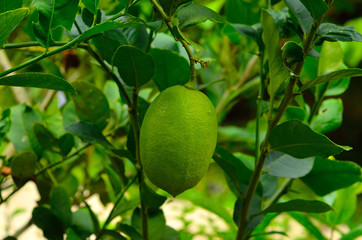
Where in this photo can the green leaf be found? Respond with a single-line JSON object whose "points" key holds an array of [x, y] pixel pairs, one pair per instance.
{"points": [[37, 80], [301, 13], [170, 68], [344, 73], [129, 231], [45, 219], [283, 165], [150, 198], [61, 206], [329, 117], [316, 7], [332, 33], [8, 22], [329, 175], [82, 223], [156, 223], [17, 133], [299, 205], [5, 123], [89, 133], [169, 6], [193, 14], [8, 5], [244, 12], [344, 206], [112, 235], [278, 72], [238, 173], [29, 117], [255, 32], [134, 66], [352, 234], [91, 5], [114, 179], [66, 143], [255, 209], [72, 235], [45, 138], [23, 167], [53, 14], [292, 53], [300, 141], [170, 234], [307, 224], [96, 111]]}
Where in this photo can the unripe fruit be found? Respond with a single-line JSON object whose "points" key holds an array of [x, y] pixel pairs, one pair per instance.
{"points": [[178, 138]]}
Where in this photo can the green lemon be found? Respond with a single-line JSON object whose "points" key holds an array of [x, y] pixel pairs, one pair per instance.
{"points": [[178, 138]]}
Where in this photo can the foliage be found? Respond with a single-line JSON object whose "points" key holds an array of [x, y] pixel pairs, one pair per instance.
{"points": [[88, 71]]}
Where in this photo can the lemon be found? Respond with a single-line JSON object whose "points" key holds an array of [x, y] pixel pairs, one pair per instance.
{"points": [[178, 138]]}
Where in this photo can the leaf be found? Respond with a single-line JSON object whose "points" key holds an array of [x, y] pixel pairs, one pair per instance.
{"points": [[292, 53], [255, 210], [299, 205], [302, 14], [150, 198], [72, 235], [82, 223], [316, 7], [91, 5], [5, 123], [112, 235], [29, 117], [170, 234], [329, 117], [300, 141], [66, 143], [343, 73], [45, 138], [9, 20], [170, 68], [17, 133], [255, 32], [45, 219], [244, 12], [114, 179], [134, 66], [23, 167], [193, 14], [60, 205], [53, 14], [97, 111], [332, 33], [278, 72], [129, 231], [307, 224], [169, 6], [89, 133], [37, 80], [345, 207], [352, 234], [328, 175], [156, 223], [283, 165], [8, 5]]}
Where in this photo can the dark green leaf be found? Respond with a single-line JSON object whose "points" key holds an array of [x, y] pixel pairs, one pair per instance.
{"points": [[45, 138], [329, 175], [115, 179], [135, 67], [88, 133], [82, 223], [307, 224], [5, 123], [332, 33], [91, 5], [329, 117], [344, 73], [8, 5], [301, 13], [278, 72], [170, 234], [299, 205], [156, 223], [150, 198], [66, 143], [72, 235], [30, 117], [45, 219], [51, 15], [96, 111], [300, 141], [244, 12], [193, 14], [60, 205], [37, 80], [129, 231], [255, 209], [292, 53], [17, 133], [23, 167], [170, 68], [112, 235], [283, 165], [316, 7], [255, 32], [238, 173], [169, 6], [9, 20]]}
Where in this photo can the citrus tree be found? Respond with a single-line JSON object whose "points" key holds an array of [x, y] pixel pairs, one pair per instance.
{"points": [[92, 104]]}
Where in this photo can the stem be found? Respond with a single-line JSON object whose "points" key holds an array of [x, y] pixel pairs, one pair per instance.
{"points": [[288, 97], [258, 108], [109, 218]]}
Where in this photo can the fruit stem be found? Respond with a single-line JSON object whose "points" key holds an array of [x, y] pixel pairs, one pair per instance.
{"points": [[288, 97]]}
